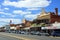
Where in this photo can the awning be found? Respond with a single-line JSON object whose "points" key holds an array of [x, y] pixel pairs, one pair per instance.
{"points": [[13, 28], [51, 27], [27, 28]]}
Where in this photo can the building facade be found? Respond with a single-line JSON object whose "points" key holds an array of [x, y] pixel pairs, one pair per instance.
{"points": [[47, 17]]}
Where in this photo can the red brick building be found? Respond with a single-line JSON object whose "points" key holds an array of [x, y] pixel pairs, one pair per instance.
{"points": [[47, 17], [27, 23]]}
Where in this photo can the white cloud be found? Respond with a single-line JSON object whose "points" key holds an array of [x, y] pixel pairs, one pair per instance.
{"points": [[7, 14], [1, 12], [2, 24], [34, 8], [27, 3], [21, 12], [8, 20], [10, 15], [4, 13], [6, 8], [5, 21], [31, 16]]}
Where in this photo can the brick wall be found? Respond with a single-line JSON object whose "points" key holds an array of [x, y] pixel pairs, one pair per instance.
{"points": [[54, 18]]}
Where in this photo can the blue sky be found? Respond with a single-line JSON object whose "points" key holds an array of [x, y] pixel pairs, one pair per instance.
{"points": [[16, 10]]}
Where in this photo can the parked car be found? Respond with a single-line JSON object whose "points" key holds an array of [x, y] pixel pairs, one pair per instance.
{"points": [[44, 34], [26, 33], [32, 32], [22, 32], [12, 31], [37, 33], [56, 33]]}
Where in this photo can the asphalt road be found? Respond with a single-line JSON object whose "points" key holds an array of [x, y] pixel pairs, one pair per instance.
{"points": [[3, 37], [12, 36]]}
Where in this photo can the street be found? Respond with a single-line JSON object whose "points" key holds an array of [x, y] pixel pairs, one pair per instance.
{"points": [[12, 36], [3, 37]]}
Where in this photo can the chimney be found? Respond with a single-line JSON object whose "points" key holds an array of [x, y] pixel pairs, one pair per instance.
{"points": [[56, 11]]}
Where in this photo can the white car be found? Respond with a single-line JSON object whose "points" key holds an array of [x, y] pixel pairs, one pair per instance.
{"points": [[44, 34], [35, 32], [22, 32]]}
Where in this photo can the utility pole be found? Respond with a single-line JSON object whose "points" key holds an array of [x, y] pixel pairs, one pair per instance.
{"points": [[10, 25]]}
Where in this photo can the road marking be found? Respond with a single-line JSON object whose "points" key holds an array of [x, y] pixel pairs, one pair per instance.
{"points": [[16, 37]]}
